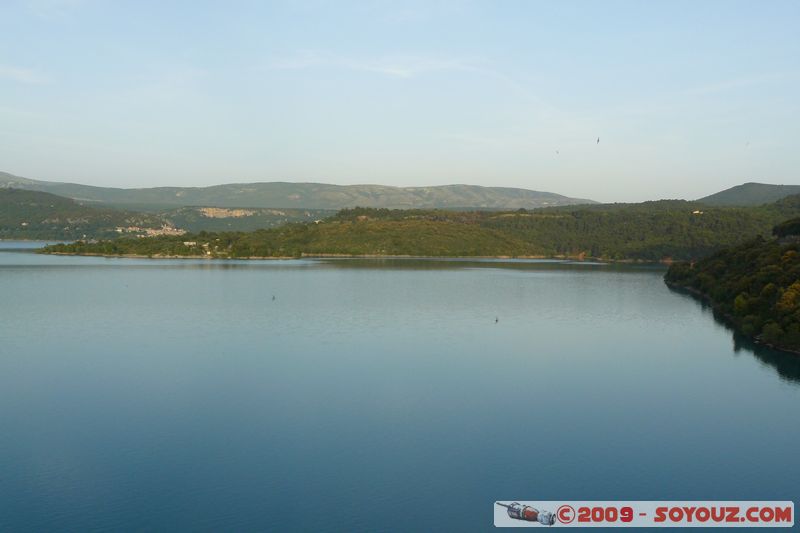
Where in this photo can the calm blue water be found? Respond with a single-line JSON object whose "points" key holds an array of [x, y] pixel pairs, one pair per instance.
{"points": [[369, 395]]}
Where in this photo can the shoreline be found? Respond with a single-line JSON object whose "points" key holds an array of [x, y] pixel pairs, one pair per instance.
{"points": [[579, 259], [160, 256], [35, 240], [728, 318]]}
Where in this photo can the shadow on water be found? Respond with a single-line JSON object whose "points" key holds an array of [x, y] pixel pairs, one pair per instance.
{"points": [[446, 263], [787, 365], [59, 262]]}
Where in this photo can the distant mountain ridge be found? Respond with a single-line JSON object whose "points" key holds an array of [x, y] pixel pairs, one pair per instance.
{"points": [[302, 195], [750, 194], [39, 215]]}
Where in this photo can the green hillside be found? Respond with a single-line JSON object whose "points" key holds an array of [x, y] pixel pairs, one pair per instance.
{"points": [[300, 195], [755, 286], [39, 215], [652, 231], [750, 194], [239, 219]]}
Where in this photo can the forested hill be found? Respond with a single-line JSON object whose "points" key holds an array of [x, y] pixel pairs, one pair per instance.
{"points": [[755, 285], [750, 194], [283, 195], [39, 215], [652, 231]]}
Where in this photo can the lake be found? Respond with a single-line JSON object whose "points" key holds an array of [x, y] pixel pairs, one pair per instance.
{"points": [[369, 395]]}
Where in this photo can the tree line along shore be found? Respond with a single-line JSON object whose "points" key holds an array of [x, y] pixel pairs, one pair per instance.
{"points": [[669, 230], [740, 260], [754, 286]]}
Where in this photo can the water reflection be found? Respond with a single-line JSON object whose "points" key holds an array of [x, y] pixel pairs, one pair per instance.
{"points": [[424, 263], [180, 387], [787, 365], [395, 263]]}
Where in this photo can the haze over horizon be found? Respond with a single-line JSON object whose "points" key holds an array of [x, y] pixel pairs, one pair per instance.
{"points": [[687, 99]]}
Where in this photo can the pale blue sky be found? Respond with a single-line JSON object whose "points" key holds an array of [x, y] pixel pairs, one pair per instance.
{"points": [[687, 97]]}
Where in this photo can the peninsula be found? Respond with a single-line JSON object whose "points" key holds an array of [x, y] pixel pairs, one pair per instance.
{"points": [[664, 231], [754, 286]]}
